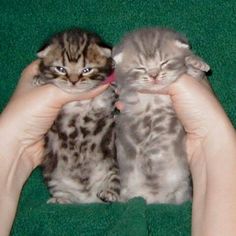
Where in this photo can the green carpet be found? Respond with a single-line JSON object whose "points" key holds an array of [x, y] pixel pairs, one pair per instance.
{"points": [[24, 25]]}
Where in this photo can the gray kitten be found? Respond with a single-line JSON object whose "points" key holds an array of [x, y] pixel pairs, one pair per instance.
{"points": [[150, 139], [80, 164]]}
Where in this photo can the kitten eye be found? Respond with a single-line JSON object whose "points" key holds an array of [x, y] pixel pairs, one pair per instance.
{"points": [[60, 69], [163, 63], [86, 70], [140, 69]]}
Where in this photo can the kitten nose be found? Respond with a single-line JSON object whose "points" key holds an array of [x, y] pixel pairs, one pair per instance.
{"points": [[153, 73], [74, 79]]}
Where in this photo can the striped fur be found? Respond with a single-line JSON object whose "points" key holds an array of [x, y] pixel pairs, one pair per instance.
{"points": [[80, 163], [150, 139]]}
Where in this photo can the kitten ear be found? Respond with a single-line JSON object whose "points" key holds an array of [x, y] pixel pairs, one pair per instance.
{"points": [[43, 52], [118, 58], [117, 55], [102, 49], [197, 63], [105, 51], [182, 44]]}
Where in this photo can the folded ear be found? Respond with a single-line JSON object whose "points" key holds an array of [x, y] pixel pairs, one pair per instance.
{"points": [[197, 63], [105, 51], [44, 51], [98, 45], [117, 54], [182, 44], [181, 41], [102, 49]]}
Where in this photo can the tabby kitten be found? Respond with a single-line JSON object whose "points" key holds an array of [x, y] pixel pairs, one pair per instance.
{"points": [[150, 139], [80, 163]]}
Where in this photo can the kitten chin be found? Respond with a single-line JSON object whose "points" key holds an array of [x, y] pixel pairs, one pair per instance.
{"points": [[78, 88], [153, 88], [152, 91], [66, 86]]}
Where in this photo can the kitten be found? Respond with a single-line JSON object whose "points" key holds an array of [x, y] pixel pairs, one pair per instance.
{"points": [[80, 163], [150, 139]]}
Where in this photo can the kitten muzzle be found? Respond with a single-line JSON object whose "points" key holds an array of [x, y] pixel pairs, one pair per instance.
{"points": [[74, 78]]}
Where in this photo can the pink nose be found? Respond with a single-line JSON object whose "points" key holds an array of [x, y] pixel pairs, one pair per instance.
{"points": [[74, 79], [153, 74]]}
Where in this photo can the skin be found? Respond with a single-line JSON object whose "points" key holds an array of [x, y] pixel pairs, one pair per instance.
{"points": [[211, 150], [23, 124], [211, 147]]}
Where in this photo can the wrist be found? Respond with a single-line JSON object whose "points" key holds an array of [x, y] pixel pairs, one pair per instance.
{"points": [[8, 207], [10, 183], [10, 187], [17, 158], [15, 168], [217, 147], [9, 145], [212, 159], [213, 165], [16, 165]]}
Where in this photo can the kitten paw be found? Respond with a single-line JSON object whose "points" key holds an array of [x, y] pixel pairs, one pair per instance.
{"points": [[37, 81], [108, 195], [59, 200]]}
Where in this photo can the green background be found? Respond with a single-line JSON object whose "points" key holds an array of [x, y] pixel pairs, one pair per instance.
{"points": [[24, 26]]}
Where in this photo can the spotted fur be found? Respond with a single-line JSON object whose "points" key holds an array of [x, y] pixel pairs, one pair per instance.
{"points": [[80, 163], [150, 139]]}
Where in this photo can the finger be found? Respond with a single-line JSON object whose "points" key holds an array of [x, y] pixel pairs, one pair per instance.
{"points": [[188, 83]]}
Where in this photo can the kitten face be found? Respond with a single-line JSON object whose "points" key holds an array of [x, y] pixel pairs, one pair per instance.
{"points": [[152, 58], [75, 60]]}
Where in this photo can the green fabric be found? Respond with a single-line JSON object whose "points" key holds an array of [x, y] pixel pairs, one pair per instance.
{"points": [[25, 24]]}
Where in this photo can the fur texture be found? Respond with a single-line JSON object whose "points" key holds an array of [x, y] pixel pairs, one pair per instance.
{"points": [[80, 163], [150, 139]]}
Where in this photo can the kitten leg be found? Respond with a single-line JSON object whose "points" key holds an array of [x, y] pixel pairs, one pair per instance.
{"points": [[60, 193], [37, 81], [62, 197], [111, 187], [59, 200]]}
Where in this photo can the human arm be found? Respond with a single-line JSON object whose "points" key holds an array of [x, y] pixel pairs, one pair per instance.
{"points": [[23, 124], [211, 148]]}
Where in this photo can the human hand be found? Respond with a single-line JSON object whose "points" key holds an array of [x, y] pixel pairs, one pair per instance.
{"points": [[211, 152], [23, 124], [198, 110], [28, 116]]}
